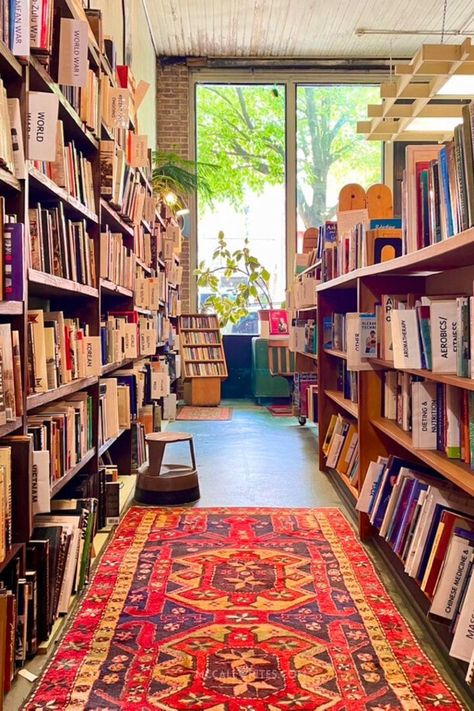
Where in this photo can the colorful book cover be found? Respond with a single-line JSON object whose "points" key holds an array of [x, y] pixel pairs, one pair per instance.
{"points": [[278, 323], [13, 262]]}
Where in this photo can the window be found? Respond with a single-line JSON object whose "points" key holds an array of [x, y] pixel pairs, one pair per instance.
{"points": [[282, 149], [330, 154], [241, 129]]}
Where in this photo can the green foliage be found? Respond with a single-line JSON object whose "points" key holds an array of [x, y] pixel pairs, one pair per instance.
{"points": [[253, 284], [242, 128], [171, 173]]}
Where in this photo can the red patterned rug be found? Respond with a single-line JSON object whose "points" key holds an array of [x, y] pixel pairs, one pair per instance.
{"points": [[215, 414], [238, 610]]}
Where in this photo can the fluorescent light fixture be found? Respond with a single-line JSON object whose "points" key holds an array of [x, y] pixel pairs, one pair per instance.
{"points": [[184, 211], [458, 85], [434, 124]]}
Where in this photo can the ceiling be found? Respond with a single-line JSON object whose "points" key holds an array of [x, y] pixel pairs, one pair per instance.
{"points": [[301, 28]]}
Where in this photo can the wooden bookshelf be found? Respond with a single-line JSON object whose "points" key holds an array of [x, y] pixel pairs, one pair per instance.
{"points": [[351, 407], [41, 282], [40, 399], [434, 270], [202, 386], [85, 307], [61, 483]]}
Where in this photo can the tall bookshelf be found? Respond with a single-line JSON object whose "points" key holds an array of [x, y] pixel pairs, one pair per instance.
{"points": [[144, 234], [204, 364], [431, 271], [304, 339]]}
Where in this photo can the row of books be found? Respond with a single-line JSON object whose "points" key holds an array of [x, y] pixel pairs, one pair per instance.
{"points": [[196, 338], [71, 170], [439, 416], [84, 100], [173, 303], [126, 334], [12, 251], [347, 381], [117, 261], [303, 336], [11, 136], [305, 393], [119, 339], [142, 245], [430, 526], [149, 291], [418, 332], [121, 185], [341, 447], [199, 322], [36, 20], [11, 386], [353, 333], [303, 290], [62, 436], [35, 592], [114, 408], [60, 350], [202, 353], [438, 187], [351, 244], [61, 246], [203, 369], [428, 332]]}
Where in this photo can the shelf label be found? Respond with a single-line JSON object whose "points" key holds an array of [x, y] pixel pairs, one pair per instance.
{"points": [[73, 44], [119, 108], [138, 151], [42, 125], [140, 93]]}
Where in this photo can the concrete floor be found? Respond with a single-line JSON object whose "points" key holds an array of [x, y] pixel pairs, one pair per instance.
{"points": [[259, 460]]}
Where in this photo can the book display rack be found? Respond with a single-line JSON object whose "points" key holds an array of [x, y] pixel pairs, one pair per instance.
{"points": [[204, 364], [89, 302]]}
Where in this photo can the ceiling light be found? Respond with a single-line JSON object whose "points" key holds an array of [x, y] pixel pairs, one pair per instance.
{"points": [[458, 85], [436, 124]]}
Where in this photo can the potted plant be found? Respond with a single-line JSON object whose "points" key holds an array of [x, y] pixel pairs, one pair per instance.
{"points": [[251, 283], [174, 178]]}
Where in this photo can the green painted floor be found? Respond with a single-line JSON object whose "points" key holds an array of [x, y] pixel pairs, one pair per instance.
{"points": [[255, 459], [260, 460]]}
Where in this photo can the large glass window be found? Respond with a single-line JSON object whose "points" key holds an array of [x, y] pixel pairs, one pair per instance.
{"points": [[330, 153], [240, 128]]}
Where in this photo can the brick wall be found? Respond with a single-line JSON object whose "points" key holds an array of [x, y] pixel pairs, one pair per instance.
{"points": [[173, 135]]}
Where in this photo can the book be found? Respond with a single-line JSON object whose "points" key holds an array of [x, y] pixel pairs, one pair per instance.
{"points": [[424, 415], [405, 339], [462, 645], [444, 335]]}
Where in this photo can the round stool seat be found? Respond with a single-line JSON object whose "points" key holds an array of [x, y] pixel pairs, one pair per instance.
{"points": [[168, 437], [167, 484]]}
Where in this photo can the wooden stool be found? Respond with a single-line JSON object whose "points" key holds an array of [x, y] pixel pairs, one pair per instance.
{"points": [[167, 484]]}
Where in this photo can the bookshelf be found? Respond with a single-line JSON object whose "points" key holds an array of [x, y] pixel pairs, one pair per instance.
{"points": [[63, 266], [303, 340], [432, 272], [204, 364]]}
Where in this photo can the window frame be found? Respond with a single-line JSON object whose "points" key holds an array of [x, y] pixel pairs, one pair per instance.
{"points": [[291, 81]]}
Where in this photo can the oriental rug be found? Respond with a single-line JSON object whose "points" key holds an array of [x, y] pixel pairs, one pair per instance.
{"points": [[238, 610], [215, 414]]}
